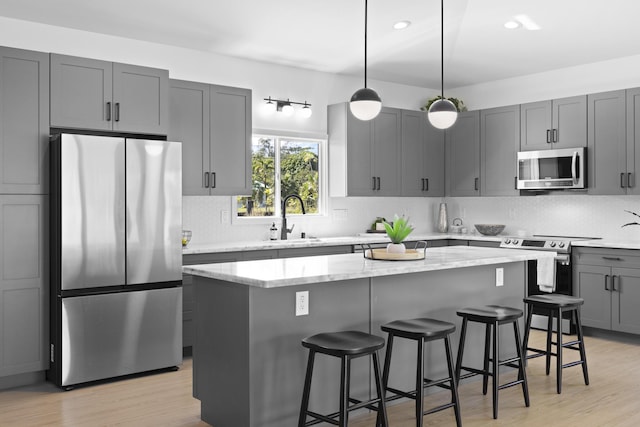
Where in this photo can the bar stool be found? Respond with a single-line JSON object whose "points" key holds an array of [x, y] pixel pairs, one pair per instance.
{"points": [[555, 305], [345, 345], [422, 330], [493, 316]]}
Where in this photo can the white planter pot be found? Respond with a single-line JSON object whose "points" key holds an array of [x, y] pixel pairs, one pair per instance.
{"points": [[396, 248]]}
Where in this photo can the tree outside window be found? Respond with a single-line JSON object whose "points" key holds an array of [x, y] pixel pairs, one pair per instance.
{"points": [[282, 166]]}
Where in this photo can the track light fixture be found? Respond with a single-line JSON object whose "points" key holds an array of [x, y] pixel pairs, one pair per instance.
{"points": [[286, 107]]}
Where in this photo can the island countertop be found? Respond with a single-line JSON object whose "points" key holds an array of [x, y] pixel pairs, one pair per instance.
{"points": [[281, 272]]}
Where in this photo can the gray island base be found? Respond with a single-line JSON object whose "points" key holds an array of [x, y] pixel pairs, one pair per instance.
{"points": [[249, 364]]}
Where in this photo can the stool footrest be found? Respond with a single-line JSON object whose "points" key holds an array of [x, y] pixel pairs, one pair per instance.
{"points": [[439, 408], [570, 364], [510, 384], [319, 418]]}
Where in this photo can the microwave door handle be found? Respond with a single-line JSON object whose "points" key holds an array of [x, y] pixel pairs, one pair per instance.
{"points": [[574, 161]]}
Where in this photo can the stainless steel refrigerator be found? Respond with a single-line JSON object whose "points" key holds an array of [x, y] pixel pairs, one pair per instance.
{"points": [[116, 257]]}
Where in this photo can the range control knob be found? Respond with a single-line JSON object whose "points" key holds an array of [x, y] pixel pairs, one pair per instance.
{"points": [[516, 241], [507, 241], [561, 244], [552, 244]]}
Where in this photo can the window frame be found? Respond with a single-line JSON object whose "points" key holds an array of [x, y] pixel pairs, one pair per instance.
{"points": [[323, 178]]}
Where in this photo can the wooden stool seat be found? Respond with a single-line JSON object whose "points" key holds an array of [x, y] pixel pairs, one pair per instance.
{"points": [[493, 316], [556, 305], [346, 345], [419, 328]]}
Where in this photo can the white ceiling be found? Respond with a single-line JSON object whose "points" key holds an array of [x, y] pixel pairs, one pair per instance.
{"points": [[327, 35]]}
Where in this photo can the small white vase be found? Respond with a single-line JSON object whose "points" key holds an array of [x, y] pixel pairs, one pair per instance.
{"points": [[396, 248]]}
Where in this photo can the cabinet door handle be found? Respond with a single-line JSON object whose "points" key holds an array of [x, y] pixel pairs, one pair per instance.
{"points": [[213, 179], [206, 180], [622, 185], [108, 111], [426, 188], [613, 284], [475, 183], [422, 179], [117, 113], [606, 282], [378, 181], [374, 183], [630, 182], [548, 136], [555, 135]]}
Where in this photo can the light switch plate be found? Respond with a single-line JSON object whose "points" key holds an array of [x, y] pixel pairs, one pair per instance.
{"points": [[500, 276]]}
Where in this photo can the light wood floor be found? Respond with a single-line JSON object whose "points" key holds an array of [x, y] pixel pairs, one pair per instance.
{"points": [[612, 399]]}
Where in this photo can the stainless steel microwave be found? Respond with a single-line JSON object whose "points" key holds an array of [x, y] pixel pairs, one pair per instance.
{"points": [[552, 169]]}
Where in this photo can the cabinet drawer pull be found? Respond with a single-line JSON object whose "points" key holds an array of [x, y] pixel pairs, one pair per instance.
{"points": [[612, 258], [206, 180], [606, 282], [475, 183], [117, 112], [108, 111], [426, 180]]}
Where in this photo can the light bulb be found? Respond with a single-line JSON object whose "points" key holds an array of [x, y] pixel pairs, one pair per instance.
{"points": [[365, 104], [287, 109], [270, 107], [305, 112], [442, 114]]}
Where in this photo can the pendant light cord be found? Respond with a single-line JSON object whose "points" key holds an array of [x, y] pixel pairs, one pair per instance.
{"points": [[441, 47], [365, 43]]}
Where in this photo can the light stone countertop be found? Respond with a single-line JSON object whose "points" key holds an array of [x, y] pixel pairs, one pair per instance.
{"points": [[274, 273], [258, 245], [608, 243]]}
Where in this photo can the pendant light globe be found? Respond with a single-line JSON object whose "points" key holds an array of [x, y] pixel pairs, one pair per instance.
{"points": [[442, 114], [365, 104]]}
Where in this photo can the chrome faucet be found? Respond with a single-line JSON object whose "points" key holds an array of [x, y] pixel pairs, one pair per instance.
{"points": [[284, 231]]}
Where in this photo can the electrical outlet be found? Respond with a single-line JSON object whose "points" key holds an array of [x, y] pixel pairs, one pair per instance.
{"points": [[302, 303], [500, 276]]}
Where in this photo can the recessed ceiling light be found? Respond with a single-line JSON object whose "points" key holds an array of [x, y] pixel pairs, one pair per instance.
{"points": [[401, 25], [527, 22], [511, 25]]}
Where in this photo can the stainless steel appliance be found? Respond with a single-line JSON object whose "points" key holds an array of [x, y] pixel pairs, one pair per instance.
{"points": [[116, 257], [552, 169], [563, 277]]}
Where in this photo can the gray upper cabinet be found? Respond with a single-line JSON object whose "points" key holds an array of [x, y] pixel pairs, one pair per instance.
{"points": [[422, 155], [463, 155], [100, 95], [189, 124], [560, 123], [214, 125], [24, 121], [607, 145], [633, 140], [24, 284], [364, 156], [499, 144]]}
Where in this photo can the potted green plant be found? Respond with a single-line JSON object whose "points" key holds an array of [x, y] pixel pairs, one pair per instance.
{"points": [[397, 232], [457, 102]]}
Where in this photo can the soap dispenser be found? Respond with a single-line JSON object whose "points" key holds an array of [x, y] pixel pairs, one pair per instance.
{"points": [[273, 232]]}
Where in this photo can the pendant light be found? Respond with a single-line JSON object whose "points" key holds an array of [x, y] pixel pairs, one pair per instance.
{"points": [[442, 113], [365, 103]]}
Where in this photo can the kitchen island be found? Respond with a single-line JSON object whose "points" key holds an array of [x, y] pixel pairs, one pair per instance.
{"points": [[248, 361]]}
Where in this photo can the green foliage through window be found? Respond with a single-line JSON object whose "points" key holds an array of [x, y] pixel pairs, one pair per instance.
{"points": [[296, 163]]}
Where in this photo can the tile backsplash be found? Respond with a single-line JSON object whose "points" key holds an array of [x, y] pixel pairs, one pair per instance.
{"points": [[568, 214]]}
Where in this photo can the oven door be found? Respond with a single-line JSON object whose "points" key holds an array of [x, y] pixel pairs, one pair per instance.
{"points": [[564, 286]]}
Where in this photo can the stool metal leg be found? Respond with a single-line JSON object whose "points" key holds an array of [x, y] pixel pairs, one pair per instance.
{"points": [[487, 345], [307, 389], [345, 369], [549, 339], [496, 370], [420, 384], [454, 388], [382, 408], [463, 333], [527, 330], [522, 374], [559, 350], [385, 373], [583, 354]]}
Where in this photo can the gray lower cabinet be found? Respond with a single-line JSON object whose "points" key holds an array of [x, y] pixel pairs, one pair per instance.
{"points": [[499, 145], [422, 155], [364, 156], [463, 156], [24, 121], [214, 125], [558, 123], [24, 284], [101, 95], [609, 282]]}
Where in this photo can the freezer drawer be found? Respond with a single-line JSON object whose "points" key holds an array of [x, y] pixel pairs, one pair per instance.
{"points": [[110, 335]]}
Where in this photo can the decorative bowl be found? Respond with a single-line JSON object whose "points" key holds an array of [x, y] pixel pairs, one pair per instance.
{"points": [[186, 237], [489, 229]]}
